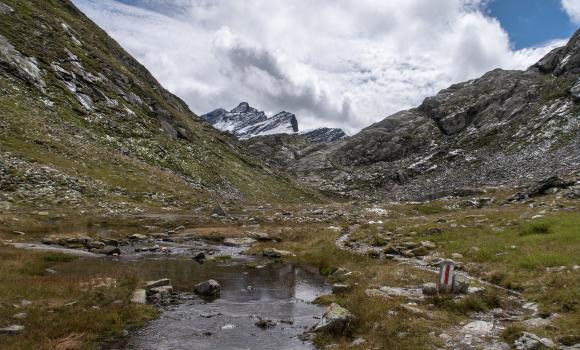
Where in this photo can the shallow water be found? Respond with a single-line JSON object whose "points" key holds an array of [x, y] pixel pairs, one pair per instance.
{"points": [[278, 291]]}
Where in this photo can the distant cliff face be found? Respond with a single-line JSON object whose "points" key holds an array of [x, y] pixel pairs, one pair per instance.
{"points": [[83, 123], [504, 128]]}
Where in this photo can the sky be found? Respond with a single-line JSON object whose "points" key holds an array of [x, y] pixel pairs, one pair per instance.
{"points": [[335, 63]]}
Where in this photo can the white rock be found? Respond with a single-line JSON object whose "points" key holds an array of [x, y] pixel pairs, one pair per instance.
{"points": [[478, 328]]}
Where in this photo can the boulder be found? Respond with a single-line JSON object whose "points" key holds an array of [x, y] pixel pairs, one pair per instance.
{"points": [[530, 341], [207, 288], [163, 291], [260, 236], [479, 328], [340, 288], [336, 319], [460, 284]]}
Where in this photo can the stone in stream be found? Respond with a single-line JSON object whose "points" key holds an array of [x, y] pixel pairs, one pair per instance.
{"points": [[530, 341], [109, 250], [207, 288], [265, 324], [139, 296], [336, 319], [12, 330], [199, 257], [276, 253], [163, 291], [159, 283], [239, 242]]}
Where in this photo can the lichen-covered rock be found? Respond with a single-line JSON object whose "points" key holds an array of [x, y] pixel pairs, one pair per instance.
{"points": [[336, 319]]}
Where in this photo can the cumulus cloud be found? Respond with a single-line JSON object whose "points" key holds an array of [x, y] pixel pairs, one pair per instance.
{"points": [[572, 8], [342, 64]]}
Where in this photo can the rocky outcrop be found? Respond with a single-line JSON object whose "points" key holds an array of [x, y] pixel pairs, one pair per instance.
{"points": [[83, 124], [323, 135], [505, 128]]}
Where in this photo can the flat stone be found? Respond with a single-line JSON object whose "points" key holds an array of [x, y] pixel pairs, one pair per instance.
{"points": [[537, 322], [478, 328], [12, 330], [239, 242], [276, 253], [159, 283], [138, 236], [139, 296]]}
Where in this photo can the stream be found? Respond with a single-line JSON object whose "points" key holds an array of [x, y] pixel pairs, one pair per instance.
{"points": [[251, 288]]}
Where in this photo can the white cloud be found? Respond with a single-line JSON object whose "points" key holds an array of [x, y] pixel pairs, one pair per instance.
{"points": [[344, 64], [572, 8]]}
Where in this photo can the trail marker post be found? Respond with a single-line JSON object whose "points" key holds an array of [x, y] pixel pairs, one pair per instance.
{"points": [[446, 276]]}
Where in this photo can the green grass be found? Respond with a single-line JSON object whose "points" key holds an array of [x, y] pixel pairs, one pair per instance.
{"points": [[63, 309]]}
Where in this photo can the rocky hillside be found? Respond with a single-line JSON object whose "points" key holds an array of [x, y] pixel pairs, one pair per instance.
{"points": [[246, 122], [505, 128], [83, 124]]}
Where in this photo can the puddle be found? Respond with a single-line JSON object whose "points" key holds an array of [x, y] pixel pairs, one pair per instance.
{"points": [[278, 291]]}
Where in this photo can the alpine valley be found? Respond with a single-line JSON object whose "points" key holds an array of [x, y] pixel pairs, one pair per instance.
{"points": [[127, 221]]}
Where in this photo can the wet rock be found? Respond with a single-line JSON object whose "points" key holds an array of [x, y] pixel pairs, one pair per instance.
{"points": [[336, 319], [429, 288], [207, 288], [530, 341], [163, 291], [158, 283], [12, 330], [139, 296], [95, 245], [276, 253], [239, 242], [199, 257], [265, 324], [109, 250]]}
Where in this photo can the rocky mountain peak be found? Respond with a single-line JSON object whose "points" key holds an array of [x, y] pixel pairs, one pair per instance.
{"points": [[565, 59], [243, 107]]}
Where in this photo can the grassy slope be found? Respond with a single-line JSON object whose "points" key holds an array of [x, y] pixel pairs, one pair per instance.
{"points": [[108, 145]]}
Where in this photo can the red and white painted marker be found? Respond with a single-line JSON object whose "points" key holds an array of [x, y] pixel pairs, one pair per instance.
{"points": [[446, 275]]}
